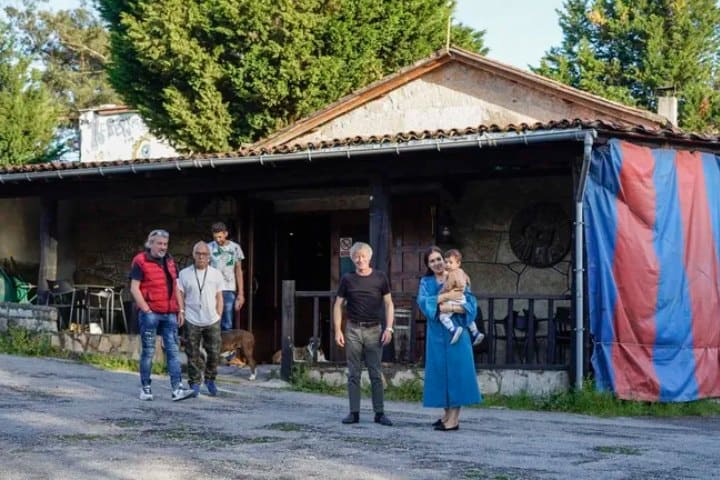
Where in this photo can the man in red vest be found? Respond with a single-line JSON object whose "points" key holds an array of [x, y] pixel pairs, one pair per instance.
{"points": [[153, 278]]}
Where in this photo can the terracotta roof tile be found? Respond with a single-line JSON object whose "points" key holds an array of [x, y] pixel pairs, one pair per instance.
{"points": [[608, 128]]}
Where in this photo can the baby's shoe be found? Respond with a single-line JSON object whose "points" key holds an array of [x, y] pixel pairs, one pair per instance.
{"points": [[455, 332]]}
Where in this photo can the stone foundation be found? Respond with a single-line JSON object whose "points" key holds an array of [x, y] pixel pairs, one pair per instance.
{"points": [[107, 344], [492, 382], [36, 318]]}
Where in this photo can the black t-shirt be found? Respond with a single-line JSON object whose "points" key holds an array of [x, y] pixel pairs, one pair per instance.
{"points": [[364, 295]]}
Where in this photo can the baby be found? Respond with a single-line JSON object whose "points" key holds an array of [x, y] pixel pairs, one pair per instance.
{"points": [[457, 280]]}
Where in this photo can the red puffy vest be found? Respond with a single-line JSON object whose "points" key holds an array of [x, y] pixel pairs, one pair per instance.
{"points": [[154, 283]]}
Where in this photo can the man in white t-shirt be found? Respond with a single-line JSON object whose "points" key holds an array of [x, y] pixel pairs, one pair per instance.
{"points": [[200, 300], [227, 256]]}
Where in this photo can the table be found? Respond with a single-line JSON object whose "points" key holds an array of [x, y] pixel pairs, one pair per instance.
{"points": [[101, 301]]}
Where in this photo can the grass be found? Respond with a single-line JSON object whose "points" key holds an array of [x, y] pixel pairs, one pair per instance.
{"points": [[300, 381], [18, 341], [586, 401], [589, 401]]}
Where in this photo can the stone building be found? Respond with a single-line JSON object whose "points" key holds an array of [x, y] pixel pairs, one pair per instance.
{"points": [[457, 149]]}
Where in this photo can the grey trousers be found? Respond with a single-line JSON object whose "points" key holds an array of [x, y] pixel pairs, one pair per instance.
{"points": [[363, 343]]}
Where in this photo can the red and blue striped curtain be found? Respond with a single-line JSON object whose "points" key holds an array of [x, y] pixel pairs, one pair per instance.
{"points": [[652, 221]]}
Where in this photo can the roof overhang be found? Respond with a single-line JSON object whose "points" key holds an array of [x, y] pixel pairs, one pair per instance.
{"points": [[392, 146]]}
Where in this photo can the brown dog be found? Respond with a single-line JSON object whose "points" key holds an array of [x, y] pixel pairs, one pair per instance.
{"points": [[242, 344]]}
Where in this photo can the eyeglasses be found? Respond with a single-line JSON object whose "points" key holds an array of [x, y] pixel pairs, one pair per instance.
{"points": [[201, 254], [159, 233]]}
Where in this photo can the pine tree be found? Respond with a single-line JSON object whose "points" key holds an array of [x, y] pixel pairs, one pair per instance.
{"points": [[72, 46], [625, 50], [28, 114], [213, 75]]}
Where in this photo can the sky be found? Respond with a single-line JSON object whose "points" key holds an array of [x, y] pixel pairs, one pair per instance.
{"points": [[518, 32]]}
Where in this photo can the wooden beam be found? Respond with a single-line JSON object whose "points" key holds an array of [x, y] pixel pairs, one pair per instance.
{"points": [[288, 328], [380, 237], [48, 246], [380, 228]]}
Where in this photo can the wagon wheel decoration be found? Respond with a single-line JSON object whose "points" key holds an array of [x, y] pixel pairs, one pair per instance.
{"points": [[540, 234]]}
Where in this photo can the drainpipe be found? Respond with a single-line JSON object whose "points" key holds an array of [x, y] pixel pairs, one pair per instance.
{"points": [[579, 264]]}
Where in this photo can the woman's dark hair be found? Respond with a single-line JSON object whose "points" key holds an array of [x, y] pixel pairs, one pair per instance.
{"points": [[427, 254]]}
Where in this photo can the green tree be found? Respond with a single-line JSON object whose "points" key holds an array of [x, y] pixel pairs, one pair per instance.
{"points": [[28, 113], [72, 46], [211, 75], [625, 50]]}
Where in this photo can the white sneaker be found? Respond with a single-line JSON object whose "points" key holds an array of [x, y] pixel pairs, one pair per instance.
{"points": [[146, 393], [456, 335], [181, 393], [478, 338]]}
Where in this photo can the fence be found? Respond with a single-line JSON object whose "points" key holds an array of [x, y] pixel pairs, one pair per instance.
{"points": [[522, 331]]}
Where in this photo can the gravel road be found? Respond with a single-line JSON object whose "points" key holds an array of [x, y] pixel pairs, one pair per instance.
{"points": [[64, 420]]}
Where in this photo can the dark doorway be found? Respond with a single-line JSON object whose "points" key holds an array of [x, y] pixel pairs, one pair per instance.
{"points": [[304, 256]]}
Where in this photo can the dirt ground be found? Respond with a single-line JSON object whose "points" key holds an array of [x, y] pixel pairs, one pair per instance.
{"points": [[63, 420]]}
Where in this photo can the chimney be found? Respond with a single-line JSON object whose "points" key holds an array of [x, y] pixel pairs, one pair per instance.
{"points": [[667, 104]]}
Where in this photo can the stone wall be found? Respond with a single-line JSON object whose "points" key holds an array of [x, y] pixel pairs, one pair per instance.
{"points": [[107, 233], [34, 318], [491, 382], [43, 319], [20, 220], [481, 230], [127, 346]]}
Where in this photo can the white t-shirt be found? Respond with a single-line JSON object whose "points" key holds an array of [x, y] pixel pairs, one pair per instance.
{"points": [[200, 309], [224, 259]]}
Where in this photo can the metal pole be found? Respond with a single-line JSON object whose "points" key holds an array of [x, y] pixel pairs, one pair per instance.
{"points": [[579, 264]]}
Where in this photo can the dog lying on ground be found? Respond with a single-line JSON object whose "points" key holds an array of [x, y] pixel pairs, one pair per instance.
{"points": [[303, 354], [238, 348]]}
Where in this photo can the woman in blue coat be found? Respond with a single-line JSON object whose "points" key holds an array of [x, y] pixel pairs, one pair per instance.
{"points": [[450, 378]]}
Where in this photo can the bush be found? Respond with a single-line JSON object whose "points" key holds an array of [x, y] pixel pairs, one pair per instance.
{"points": [[18, 341]]}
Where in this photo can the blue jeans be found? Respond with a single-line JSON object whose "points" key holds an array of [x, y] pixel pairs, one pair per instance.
{"points": [[164, 324], [228, 315]]}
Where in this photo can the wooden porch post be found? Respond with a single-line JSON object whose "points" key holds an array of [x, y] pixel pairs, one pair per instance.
{"points": [[288, 328], [380, 228], [380, 237], [48, 246], [248, 286]]}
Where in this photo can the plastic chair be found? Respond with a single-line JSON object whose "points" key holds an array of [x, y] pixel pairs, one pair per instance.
{"points": [[62, 294]]}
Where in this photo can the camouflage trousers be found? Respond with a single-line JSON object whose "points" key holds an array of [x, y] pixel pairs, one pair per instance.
{"points": [[200, 365]]}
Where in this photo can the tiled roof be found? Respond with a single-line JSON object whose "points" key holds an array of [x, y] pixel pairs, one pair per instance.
{"points": [[663, 134], [603, 107]]}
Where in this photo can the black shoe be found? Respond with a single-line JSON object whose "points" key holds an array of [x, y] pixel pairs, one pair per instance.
{"points": [[437, 422], [382, 419], [353, 417], [443, 428]]}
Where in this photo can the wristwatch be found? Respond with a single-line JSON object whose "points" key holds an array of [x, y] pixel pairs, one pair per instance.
{"points": [[389, 329]]}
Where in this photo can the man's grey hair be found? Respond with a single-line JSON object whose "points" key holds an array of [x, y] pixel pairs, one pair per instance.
{"points": [[199, 245], [358, 246], [158, 232]]}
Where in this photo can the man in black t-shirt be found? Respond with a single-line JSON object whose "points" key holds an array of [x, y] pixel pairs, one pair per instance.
{"points": [[366, 294]]}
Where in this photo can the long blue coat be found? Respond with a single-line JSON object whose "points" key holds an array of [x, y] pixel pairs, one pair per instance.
{"points": [[450, 377]]}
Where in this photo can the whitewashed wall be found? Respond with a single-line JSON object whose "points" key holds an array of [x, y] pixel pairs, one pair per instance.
{"points": [[118, 136]]}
